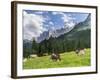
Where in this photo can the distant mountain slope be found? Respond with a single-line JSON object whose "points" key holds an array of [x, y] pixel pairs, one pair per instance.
{"points": [[53, 33], [82, 29]]}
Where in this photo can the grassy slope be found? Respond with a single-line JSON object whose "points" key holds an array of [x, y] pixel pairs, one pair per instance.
{"points": [[69, 59]]}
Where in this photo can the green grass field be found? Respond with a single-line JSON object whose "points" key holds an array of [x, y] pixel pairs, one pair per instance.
{"points": [[69, 59]]}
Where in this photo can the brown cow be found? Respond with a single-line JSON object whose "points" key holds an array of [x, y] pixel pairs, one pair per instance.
{"points": [[55, 57], [80, 51]]}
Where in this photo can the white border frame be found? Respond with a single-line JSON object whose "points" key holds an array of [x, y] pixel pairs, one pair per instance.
{"points": [[21, 72]]}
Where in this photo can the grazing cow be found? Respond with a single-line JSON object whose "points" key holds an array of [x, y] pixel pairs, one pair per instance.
{"points": [[77, 51], [33, 56], [80, 51], [55, 57]]}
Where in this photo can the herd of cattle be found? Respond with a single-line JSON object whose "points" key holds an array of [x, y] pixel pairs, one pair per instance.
{"points": [[57, 57]]}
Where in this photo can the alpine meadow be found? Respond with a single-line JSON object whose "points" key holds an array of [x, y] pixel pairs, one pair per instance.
{"points": [[54, 39]]}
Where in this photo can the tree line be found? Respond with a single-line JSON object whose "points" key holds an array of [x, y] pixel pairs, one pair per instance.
{"points": [[60, 44]]}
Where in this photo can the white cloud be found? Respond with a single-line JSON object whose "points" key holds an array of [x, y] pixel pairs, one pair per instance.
{"points": [[67, 18], [53, 28], [32, 25], [54, 13], [69, 24], [51, 23], [47, 18]]}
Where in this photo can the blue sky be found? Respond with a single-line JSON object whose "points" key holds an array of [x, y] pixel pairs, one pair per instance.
{"points": [[36, 22]]}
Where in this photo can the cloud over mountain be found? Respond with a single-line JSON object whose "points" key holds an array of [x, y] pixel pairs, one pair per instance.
{"points": [[32, 25], [69, 21], [39, 25]]}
